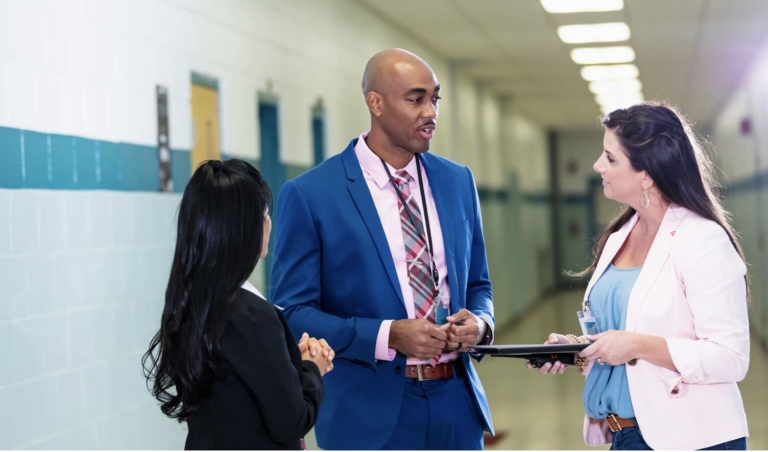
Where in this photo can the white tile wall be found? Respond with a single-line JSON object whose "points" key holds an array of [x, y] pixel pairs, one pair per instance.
{"points": [[7, 371], [3, 91], [5, 225], [79, 305], [10, 34], [25, 227], [20, 94]]}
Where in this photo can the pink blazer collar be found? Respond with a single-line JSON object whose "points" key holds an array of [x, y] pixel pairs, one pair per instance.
{"points": [[654, 262]]}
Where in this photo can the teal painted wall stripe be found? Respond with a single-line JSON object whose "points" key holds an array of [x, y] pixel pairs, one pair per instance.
{"points": [[61, 162], [754, 183], [490, 194], [181, 169], [576, 198], [537, 198]]}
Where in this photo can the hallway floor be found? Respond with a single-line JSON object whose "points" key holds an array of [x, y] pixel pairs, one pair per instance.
{"points": [[545, 412]]}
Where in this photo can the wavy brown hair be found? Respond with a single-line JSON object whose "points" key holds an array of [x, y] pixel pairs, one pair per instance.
{"points": [[659, 141]]}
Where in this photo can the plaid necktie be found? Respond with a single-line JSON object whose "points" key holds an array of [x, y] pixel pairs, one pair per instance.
{"points": [[416, 254]]}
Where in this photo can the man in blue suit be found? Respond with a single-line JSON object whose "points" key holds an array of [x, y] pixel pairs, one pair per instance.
{"points": [[380, 251]]}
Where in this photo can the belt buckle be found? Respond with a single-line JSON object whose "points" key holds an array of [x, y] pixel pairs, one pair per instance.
{"points": [[616, 421], [418, 371]]}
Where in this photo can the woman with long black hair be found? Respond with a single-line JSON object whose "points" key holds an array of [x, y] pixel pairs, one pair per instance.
{"points": [[224, 360]]}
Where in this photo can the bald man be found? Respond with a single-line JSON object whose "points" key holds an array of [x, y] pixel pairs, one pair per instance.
{"points": [[380, 251]]}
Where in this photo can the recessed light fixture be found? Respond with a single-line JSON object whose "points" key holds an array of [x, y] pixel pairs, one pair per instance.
{"points": [[606, 32], [612, 72], [613, 86], [603, 55], [581, 6]]}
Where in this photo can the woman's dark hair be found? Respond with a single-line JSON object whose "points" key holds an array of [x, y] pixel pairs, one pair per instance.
{"points": [[659, 141], [218, 243]]}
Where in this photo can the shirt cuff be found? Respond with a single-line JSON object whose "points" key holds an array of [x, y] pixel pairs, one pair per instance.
{"points": [[488, 329], [383, 352]]}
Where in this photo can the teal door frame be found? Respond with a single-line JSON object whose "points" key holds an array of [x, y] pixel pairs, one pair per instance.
{"points": [[318, 133], [272, 168]]}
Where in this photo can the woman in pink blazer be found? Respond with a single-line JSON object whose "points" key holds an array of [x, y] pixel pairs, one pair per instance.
{"points": [[669, 295]]}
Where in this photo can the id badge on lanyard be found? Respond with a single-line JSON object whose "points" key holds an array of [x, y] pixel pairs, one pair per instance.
{"points": [[588, 323], [442, 309], [440, 304]]}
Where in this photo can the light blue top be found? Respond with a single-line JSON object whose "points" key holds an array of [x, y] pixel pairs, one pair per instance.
{"points": [[606, 390]]}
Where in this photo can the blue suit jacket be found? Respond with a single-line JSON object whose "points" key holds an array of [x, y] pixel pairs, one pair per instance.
{"points": [[334, 275]]}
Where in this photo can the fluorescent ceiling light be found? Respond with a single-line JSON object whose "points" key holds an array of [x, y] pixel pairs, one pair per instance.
{"points": [[603, 55], [619, 99], [581, 6], [612, 86], [613, 72], [607, 32]]}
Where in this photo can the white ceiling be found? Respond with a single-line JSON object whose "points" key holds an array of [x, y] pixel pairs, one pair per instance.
{"points": [[691, 53]]}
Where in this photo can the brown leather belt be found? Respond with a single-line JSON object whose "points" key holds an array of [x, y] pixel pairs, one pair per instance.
{"points": [[427, 372], [616, 423]]}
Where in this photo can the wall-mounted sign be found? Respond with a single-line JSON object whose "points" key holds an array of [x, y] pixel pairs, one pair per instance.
{"points": [[163, 141]]}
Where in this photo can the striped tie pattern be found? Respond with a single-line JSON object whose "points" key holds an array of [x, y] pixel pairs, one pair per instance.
{"points": [[416, 254]]}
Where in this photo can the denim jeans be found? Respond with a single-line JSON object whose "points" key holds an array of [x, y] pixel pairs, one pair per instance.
{"points": [[631, 439]]}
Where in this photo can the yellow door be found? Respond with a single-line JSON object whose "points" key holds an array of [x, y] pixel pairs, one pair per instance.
{"points": [[205, 119]]}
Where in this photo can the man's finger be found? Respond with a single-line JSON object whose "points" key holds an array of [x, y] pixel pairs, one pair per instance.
{"points": [[544, 369], [438, 334], [453, 337], [435, 344], [459, 316], [466, 340], [465, 330]]}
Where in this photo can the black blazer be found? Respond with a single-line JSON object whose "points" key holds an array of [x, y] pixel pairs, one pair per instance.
{"points": [[263, 396]]}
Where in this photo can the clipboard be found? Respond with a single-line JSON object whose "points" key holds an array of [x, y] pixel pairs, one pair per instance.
{"points": [[537, 354]]}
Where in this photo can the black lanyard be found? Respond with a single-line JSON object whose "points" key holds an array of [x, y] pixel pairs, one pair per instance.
{"points": [[420, 230]]}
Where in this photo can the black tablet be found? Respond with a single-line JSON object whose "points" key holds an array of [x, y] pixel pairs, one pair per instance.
{"points": [[526, 349]]}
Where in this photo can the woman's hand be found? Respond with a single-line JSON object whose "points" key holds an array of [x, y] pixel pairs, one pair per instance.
{"points": [[317, 351], [552, 368], [613, 347]]}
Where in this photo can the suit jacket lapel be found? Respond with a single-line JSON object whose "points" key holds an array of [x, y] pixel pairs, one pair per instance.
{"points": [[654, 262], [445, 213], [361, 195]]}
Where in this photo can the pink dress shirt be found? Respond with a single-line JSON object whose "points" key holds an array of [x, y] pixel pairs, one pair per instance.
{"points": [[385, 199]]}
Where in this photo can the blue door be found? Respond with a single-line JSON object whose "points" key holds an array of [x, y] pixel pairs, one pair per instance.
{"points": [[318, 135], [272, 168]]}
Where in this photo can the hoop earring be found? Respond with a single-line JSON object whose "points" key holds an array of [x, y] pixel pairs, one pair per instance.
{"points": [[645, 200]]}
